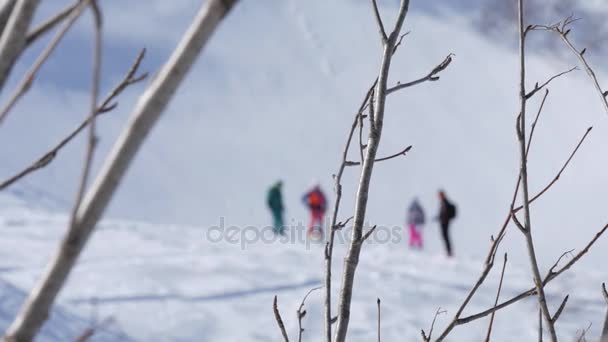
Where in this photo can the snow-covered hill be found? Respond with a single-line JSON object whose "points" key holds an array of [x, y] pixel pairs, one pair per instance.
{"points": [[272, 97], [175, 283]]}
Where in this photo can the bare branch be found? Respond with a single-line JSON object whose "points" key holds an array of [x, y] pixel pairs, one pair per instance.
{"points": [[354, 250], [562, 30], [301, 312], [6, 8], [428, 338], [604, 337], [502, 274], [431, 76], [556, 178], [401, 153], [151, 105], [329, 246], [361, 145], [104, 107], [368, 234], [379, 340], [532, 291], [341, 225], [379, 22], [92, 141], [13, 36], [51, 23], [535, 122], [538, 88], [26, 83], [277, 317], [576, 258], [540, 325], [560, 309], [552, 268]]}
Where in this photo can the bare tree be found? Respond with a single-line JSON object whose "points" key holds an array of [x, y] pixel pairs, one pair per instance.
{"points": [[87, 213], [376, 98]]}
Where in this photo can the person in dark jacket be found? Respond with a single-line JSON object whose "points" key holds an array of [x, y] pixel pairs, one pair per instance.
{"points": [[316, 202], [274, 199], [447, 212], [415, 221]]}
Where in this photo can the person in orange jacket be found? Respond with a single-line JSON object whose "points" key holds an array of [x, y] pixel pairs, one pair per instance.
{"points": [[315, 201]]}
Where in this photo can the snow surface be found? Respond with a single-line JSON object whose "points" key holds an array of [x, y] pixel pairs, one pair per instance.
{"points": [[168, 282], [272, 97]]}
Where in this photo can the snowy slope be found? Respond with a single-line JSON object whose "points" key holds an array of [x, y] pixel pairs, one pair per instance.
{"points": [[272, 97], [278, 105], [171, 283]]}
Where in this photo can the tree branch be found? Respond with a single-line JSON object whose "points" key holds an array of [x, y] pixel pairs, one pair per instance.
{"points": [[26, 83], [562, 29], [537, 88], [604, 337], [556, 178], [401, 153], [352, 257], [301, 313], [502, 274], [92, 141], [379, 340], [151, 105], [277, 317], [532, 291], [13, 36], [129, 79], [49, 24], [383, 36], [560, 309], [431, 76]]}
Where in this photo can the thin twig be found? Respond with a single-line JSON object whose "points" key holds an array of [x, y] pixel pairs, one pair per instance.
{"points": [[368, 234], [277, 316], [301, 312], [502, 274], [532, 291], [379, 340], [428, 338], [92, 141], [12, 40], [560, 309], [383, 36], [556, 178], [29, 77], [49, 24], [106, 106], [400, 153], [538, 88], [535, 122], [604, 337], [540, 325], [431, 76], [562, 29]]}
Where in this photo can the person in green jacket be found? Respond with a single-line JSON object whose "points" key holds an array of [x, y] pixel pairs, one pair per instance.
{"points": [[274, 200]]}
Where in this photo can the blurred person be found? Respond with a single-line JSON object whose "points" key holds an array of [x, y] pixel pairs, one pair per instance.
{"points": [[415, 221], [447, 212], [274, 199], [316, 203]]}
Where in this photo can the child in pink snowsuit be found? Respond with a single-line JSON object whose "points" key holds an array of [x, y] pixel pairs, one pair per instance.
{"points": [[415, 221]]}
